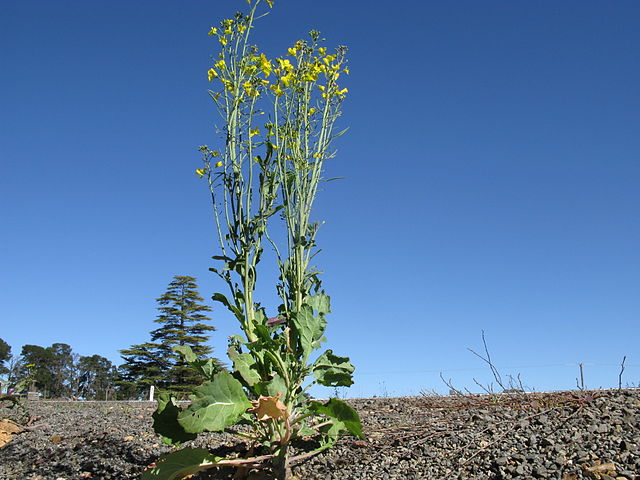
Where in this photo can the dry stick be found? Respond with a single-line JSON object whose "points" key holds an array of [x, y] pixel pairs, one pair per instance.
{"points": [[487, 360], [621, 371], [451, 387], [581, 384], [300, 458], [254, 462], [30, 428]]}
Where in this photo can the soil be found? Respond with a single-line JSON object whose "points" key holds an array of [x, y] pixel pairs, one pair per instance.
{"points": [[561, 435]]}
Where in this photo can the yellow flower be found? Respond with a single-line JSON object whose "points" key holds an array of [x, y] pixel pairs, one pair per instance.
{"points": [[265, 65], [286, 80], [201, 172], [292, 51], [222, 40], [328, 59], [277, 90], [227, 31], [212, 74], [285, 64], [309, 77], [221, 64], [270, 2], [213, 31], [215, 153], [312, 111], [343, 91], [219, 164], [249, 89], [346, 70], [242, 28], [254, 131], [322, 50], [321, 88]]}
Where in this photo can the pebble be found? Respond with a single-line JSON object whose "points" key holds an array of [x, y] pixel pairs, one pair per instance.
{"points": [[560, 436]]}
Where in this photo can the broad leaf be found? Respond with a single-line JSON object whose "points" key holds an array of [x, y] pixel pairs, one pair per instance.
{"points": [[309, 328], [273, 387], [332, 370], [319, 302], [244, 364], [215, 405], [186, 353], [177, 465], [165, 421], [330, 434], [207, 367], [341, 412]]}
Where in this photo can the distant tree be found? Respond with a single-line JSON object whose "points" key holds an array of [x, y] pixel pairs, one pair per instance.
{"points": [[35, 365], [61, 370], [97, 377], [182, 318], [49, 369], [141, 369], [5, 355]]}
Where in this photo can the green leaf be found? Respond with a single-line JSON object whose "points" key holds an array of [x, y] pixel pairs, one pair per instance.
{"points": [[207, 367], [273, 387], [219, 297], [165, 421], [309, 329], [244, 364], [319, 302], [215, 405], [305, 431], [339, 411], [332, 370], [186, 353], [177, 465]]}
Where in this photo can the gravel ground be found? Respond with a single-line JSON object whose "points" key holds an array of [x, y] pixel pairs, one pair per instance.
{"points": [[564, 435]]}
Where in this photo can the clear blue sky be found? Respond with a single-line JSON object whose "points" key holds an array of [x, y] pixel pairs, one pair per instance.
{"points": [[492, 181]]}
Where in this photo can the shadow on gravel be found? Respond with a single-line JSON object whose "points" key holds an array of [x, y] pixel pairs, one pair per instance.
{"points": [[102, 457]]}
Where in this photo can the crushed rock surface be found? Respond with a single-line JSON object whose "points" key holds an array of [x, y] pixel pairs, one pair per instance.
{"points": [[561, 435]]}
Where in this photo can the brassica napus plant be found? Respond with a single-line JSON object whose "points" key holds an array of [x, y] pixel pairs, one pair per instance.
{"points": [[278, 128]]}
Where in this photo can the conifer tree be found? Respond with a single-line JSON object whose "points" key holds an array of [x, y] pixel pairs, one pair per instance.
{"points": [[182, 318]]}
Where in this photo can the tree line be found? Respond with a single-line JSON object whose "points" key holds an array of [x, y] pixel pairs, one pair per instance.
{"points": [[57, 372]]}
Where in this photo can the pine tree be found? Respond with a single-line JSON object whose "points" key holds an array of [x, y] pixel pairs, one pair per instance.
{"points": [[182, 318]]}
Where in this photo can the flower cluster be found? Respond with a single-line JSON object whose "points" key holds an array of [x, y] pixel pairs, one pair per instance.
{"points": [[254, 73]]}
